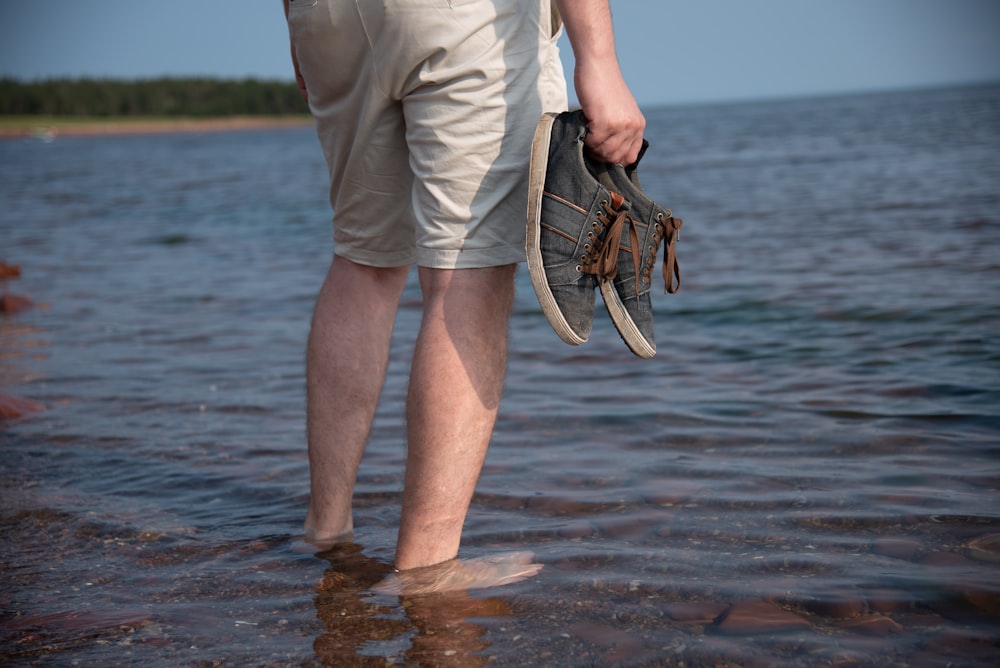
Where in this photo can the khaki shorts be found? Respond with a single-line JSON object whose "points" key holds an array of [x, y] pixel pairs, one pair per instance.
{"points": [[425, 110]]}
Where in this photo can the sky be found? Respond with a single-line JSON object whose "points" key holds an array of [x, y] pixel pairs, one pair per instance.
{"points": [[672, 51]]}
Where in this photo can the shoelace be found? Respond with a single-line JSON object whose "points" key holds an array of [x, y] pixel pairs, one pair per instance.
{"points": [[601, 258], [667, 227], [607, 259]]}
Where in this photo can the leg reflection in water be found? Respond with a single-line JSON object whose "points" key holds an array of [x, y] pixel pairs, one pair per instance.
{"points": [[365, 628]]}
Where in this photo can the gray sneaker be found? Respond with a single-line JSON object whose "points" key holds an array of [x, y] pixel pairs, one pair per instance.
{"points": [[647, 226], [569, 218]]}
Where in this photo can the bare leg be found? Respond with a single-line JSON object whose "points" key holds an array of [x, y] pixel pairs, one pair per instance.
{"points": [[455, 386], [346, 361]]}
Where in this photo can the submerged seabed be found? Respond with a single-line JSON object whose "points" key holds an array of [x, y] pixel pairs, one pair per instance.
{"points": [[807, 473]]}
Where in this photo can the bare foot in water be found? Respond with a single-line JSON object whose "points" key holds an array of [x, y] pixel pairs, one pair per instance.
{"points": [[311, 544], [461, 574]]}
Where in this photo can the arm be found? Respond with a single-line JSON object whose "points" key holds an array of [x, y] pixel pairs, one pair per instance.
{"points": [[295, 64], [615, 122]]}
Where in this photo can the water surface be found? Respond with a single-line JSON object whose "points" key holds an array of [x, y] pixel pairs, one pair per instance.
{"points": [[814, 445]]}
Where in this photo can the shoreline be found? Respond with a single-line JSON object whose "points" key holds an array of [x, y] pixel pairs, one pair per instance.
{"points": [[48, 128]]}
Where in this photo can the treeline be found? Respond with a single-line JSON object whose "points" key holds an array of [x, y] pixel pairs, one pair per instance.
{"points": [[200, 97]]}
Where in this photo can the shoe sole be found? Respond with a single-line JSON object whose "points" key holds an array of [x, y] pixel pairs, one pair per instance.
{"points": [[536, 191], [626, 327]]}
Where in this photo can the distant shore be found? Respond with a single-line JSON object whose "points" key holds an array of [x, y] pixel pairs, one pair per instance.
{"points": [[50, 127]]}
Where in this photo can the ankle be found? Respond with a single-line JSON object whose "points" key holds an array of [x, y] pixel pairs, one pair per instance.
{"points": [[321, 530]]}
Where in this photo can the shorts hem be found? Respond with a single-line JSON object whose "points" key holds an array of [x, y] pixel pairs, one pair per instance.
{"points": [[375, 258], [469, 259]]}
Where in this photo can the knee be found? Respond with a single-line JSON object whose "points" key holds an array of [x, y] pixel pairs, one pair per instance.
{"points": [[348, 272], [485, 280]]}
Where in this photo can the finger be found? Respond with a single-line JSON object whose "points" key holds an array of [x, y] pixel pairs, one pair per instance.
{"points": [[621, 149]]}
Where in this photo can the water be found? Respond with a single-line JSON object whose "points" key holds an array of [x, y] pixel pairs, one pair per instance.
{"points": [[815, 444]]}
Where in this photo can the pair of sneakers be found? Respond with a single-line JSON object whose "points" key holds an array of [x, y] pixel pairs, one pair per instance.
{"points": [[590, 225]]}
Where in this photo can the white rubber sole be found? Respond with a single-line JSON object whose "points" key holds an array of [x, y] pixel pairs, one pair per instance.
{"points": [[536, 190], [626, 327]]}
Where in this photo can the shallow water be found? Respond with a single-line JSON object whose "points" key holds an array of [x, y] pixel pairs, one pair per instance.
{"points": [[814, 449]]}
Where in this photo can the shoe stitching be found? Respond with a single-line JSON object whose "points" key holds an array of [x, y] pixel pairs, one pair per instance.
{"points": [[549, 228], [564, 201]]}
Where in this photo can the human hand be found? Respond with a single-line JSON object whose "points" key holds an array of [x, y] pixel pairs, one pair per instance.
{"points": [[615, 123]]}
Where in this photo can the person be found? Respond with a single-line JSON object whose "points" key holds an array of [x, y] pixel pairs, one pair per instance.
{"points": [[425, 110]]}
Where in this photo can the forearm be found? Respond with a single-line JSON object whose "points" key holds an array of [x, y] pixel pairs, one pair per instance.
{"points": [[615, 123], [589, 28]]}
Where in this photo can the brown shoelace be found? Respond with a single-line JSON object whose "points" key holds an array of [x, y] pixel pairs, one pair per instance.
{"points": [[601, 256], [668, 227]]}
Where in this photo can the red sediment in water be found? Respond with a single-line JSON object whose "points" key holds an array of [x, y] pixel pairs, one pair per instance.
{"points": [[618, 645], [983, 600], [962, 646], [759, 616], [77, 622], [10, 303], [703, 612], [14, 407], [985, 548], [874, 625], [888, 600], [9, 270], [898, 548], [842, 606]]}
